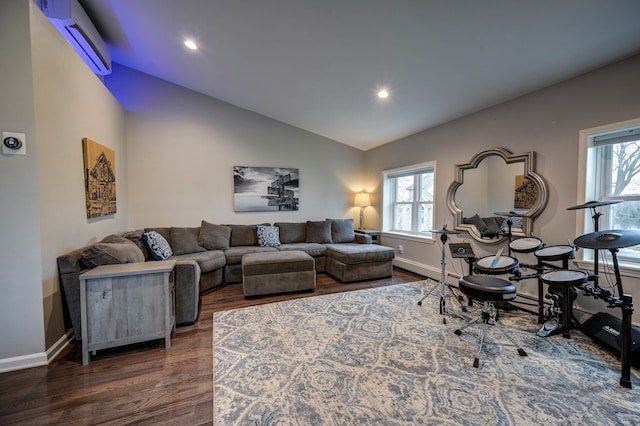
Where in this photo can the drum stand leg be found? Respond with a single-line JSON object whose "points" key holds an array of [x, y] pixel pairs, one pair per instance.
{"points": [[444, 286], [487, 316]]}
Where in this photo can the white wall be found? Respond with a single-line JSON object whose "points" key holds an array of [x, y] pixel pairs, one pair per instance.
{"points": [[182, 147], [547, 122], [52, 96]]}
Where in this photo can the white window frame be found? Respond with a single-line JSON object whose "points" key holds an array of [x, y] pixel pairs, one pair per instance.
{"points": [[389, 199], [584, 222]]}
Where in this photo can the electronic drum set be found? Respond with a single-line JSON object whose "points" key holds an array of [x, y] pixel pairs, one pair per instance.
{"points": [[552, 269]]}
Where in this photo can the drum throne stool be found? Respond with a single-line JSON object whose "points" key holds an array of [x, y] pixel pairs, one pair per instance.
{"points": [[488, 290]]}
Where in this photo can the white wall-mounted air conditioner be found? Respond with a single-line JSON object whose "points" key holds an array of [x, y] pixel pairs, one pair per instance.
{"points": [[71, 20]]}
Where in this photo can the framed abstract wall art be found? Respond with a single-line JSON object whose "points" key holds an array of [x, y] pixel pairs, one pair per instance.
{"points": [[99, 179], [262, 189]]}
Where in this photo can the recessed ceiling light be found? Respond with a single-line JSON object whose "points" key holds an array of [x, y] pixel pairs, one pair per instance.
{"points": [[383, 94], [190, 44]]}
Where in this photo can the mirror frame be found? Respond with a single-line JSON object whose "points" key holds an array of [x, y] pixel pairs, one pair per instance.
{"points": [[529, 160]]}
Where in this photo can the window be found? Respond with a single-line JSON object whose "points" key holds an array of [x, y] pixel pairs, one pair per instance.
{"points": [[613, 173], [408, 195]]}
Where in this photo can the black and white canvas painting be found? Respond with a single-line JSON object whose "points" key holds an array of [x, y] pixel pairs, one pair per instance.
{"points": [[262, 189]]}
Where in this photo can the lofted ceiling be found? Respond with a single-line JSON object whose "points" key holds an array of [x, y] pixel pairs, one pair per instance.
{"points": [[318, 64]]}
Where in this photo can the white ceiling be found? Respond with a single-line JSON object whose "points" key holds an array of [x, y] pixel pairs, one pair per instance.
{"points": [[317, 64]]}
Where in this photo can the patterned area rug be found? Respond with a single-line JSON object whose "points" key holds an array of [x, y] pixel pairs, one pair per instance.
{"points": [[374, 357]]}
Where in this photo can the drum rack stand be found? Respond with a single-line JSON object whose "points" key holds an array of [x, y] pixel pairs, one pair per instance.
{"points": [[569, 320], [444, 285], [625, 303]]}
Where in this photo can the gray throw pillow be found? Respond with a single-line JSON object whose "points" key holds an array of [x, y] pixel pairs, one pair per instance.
{"points": [[492, 226], [292, 232], [342, 230], [244, 235], [214, 237], [185, 241], [136, 238], [477, 222], [111, 254], [157, 245], [268, 236], [319, 232]]}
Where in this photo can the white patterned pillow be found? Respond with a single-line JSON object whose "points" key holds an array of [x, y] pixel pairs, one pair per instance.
{"points": [[157, 245], [268, 236]]}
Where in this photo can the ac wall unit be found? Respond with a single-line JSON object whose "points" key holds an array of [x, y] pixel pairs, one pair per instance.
{"points": [[71, 20]]}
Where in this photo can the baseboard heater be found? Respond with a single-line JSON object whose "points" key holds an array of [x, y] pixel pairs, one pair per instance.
{"points": [[606, 330]]}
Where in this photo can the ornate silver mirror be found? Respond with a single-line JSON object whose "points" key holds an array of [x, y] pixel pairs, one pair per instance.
{"points": [[496, 181]]}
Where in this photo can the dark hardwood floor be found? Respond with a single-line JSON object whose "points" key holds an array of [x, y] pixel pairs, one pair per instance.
{"points": [[143, 383]]}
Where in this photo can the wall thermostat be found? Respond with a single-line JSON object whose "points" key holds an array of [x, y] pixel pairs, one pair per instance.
{"points": [[13, 143]]}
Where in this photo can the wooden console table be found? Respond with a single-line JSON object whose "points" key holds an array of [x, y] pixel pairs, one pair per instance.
{"points": [[126, 303]]}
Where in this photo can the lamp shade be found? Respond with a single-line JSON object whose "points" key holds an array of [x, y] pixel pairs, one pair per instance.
{"points": [[363, 199]]}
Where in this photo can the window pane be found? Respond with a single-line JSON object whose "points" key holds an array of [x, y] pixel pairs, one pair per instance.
{"points": [[425, 218], [426, 182], [625, 178], [402, 217], [404, 189], [625, 215]]}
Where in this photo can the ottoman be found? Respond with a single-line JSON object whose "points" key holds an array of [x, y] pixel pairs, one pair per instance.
{"points": [[353, 262], [277, 272]]}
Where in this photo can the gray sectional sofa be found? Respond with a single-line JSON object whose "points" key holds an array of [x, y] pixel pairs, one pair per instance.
{"points": [[211, 254]]}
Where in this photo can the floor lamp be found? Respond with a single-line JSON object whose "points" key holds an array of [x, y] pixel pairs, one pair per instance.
{"points": [[363, 200]]}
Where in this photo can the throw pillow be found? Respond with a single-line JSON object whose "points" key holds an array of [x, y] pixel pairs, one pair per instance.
{"points": [[114, 238], [214, 237], [157, 245], [342, 230], [110, 254], [243, 235], [292, 232], [492, 226], [268, 236], [477, 221], [185, 240], [319, 232], [136, 238]]}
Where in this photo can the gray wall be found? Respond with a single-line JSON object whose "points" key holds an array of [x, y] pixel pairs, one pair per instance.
{"points": [[21, 301], [547, 122], [182, 147], [49, 94]]}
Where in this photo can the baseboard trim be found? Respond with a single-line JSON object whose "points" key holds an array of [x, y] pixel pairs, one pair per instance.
{"points": [[417, 268], [36, 359]]}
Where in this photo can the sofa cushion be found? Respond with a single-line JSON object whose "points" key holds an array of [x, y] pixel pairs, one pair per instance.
{"points": [[234, 254], [185, 240], [312, 249], [268, 236], [157, 245], [214, 237], [111, 253], [244, 235], [208, 261], [319, 232], [292, 232], [342, 230]]}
